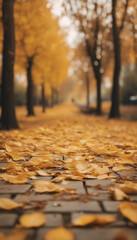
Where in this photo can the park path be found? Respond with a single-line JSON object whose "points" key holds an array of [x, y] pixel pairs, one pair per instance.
{"points": [[85, 158]]}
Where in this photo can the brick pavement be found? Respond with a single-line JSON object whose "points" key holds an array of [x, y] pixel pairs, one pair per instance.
{"points": [[61, 210]]}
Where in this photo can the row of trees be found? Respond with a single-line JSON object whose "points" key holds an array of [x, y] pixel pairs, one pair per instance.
{"points": [[40, 52], [108, 29]]}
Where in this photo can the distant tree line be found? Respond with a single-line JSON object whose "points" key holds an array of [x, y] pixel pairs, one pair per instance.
{"points": [[109, 38]]}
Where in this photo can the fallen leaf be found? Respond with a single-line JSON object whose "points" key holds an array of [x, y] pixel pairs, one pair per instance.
{"points": [[9, 204], [8, 148], [19, 179], [15, 156], [42, 173], [128, 187], [101, 170], [84, 220], [60, 233], [35, 219], [129, 210], [93, 219], [119, 167], [46, 186], [118, 194]]}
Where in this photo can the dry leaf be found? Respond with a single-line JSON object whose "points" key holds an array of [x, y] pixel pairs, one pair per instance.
{"points": [[15, 156], [35, 219], [128, 187], [60, 233], [101, 170], [119, 167], [19, 179], [129, 210], [93, 219], [42, 173], [84, 220], [9, 204], [8, 148], [46, 186], [118, 194]]}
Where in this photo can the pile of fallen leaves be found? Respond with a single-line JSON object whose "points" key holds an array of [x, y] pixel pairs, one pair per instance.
{"points": [[75, 147]]}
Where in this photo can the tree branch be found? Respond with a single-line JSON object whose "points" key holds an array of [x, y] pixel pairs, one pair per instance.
{"points": [[124, 16]]}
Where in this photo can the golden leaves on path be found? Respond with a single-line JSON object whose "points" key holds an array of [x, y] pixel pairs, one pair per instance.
{"points": [[35, 219], [93, 219], [60, 233], [8, 204], [46, 186], [129, 210], [93, 148]]}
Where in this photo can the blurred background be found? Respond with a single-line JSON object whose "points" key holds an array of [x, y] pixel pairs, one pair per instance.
{"points": [[79, 51]]}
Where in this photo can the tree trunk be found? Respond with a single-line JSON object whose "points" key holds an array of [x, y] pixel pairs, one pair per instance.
{"points": [[56, 96], [30, 88], [98, 86], [43, 97], [115, 112], [8, 117], [87, 89], [98, 108], [97, 74], [53, 97]]}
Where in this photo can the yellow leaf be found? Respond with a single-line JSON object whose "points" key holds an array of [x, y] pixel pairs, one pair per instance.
{"points": [[129, 210], [42, 173], [46, 186], [119, 167], [9, 204], [60, 233], [15, 156], [19, 179], [35, 219], [128, 187], [84, 220], [104, 219], [93, 219], [8, 148], [118, 194], [101, 170]]}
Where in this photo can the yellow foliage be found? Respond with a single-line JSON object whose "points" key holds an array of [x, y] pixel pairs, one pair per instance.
{"points": [[38, 35]]}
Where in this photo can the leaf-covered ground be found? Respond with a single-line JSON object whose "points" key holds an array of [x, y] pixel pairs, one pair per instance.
{"points": [[52, 153]]}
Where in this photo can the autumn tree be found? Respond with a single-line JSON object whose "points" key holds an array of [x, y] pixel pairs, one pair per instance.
{"points": [[90, 17], [30, 36], [39, 47], [51, 65], [8, 117]]}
